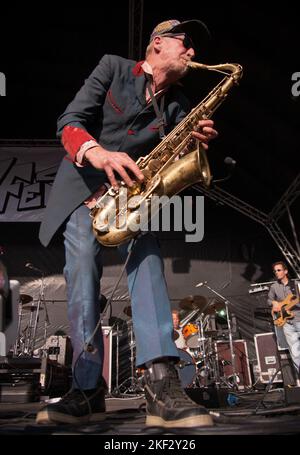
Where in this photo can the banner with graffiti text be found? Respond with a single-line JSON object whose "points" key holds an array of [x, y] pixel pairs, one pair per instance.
{"points": [[26, 176]]}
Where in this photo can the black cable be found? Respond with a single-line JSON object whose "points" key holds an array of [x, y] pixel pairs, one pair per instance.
{"points": [[269, 385]]}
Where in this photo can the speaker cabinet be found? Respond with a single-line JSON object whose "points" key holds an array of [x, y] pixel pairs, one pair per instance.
{"points": [[224, 362], [267, 357], [59, 349]]}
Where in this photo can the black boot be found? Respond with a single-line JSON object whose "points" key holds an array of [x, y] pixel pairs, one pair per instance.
{"points": [[167, 403], [76, 408]]}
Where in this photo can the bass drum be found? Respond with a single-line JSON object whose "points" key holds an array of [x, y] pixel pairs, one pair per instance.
{"points": [[186, 368]]}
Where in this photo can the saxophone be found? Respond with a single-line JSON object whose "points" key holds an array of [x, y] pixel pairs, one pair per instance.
{"points": [[178, 162]]}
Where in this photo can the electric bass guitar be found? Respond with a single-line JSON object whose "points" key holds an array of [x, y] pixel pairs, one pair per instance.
{"points": [[280, 317]]}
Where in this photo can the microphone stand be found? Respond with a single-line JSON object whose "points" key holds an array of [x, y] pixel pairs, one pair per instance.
{"points": [[201, 343], [226, 302], [41, 300]]}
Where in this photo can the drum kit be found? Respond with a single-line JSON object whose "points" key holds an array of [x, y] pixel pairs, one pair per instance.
{"points": [[196, 339]]}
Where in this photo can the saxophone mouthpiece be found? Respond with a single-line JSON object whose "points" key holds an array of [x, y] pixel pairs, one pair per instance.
{"points": [[196, 65]]}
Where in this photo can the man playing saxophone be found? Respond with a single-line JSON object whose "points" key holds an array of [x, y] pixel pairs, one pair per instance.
{"points": [[122, 111]]}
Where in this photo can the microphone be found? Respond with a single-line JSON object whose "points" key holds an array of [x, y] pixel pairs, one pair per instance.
{"points": [[230, 163], [202, 283], [31, 266]]}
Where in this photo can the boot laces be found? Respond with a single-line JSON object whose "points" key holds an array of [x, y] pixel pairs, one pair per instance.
{"points": [[72, 395], [171, 386]]}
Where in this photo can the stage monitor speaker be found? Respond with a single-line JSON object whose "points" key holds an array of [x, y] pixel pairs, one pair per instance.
{"points": [[271, 358], [268, 359], [224, 361], [107, 364]]}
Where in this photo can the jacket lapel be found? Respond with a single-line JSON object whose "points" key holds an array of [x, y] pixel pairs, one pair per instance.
{"points": [[140, 89]]}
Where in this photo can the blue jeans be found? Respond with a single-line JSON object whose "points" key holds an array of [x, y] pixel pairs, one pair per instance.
{"points": [[292, 335], [151, 314]]}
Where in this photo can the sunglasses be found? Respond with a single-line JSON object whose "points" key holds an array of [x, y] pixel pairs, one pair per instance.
{"points": [[186, 40]]}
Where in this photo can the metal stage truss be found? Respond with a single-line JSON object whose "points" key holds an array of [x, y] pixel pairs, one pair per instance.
{"points": [[269, 221]]}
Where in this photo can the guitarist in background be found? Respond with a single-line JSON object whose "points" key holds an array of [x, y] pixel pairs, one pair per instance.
{"points": [[277, 293]]}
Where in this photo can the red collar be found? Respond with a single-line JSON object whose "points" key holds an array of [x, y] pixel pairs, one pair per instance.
{"points": [[137, 70]]}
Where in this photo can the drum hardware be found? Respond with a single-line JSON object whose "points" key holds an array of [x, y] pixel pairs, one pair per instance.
{"points": [[201, 320], [117, 356], [133, 384], [211, 333], [32, 307], [215, 308], [132, 358], [25, 341], [193, 302], [190, 330], [212, 308], [185, 320], [24, 299]]}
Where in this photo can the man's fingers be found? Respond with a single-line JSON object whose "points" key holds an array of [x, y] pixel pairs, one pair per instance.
{"points": [[135, 169], [206, 122], [112, 162], [210, 132], [111, 176], [122, 173], [201, 137], [130, 164]]}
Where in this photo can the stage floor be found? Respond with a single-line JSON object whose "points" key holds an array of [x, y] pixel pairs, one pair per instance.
{"points": [[246, 413]]}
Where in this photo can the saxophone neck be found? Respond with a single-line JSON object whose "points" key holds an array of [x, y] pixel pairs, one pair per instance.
{"points": [[235, 68]]}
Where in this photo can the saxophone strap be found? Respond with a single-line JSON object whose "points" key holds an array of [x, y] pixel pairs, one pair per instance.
{"points": [[158, 112]]}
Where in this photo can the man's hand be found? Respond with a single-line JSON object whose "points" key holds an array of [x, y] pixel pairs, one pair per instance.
{"points": [[112, 162], [276, 305], [205, 132]]}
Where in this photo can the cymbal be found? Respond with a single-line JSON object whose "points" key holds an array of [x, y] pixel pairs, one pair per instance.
{"points": [[128, 311], [24, 298], [31, 307], [214, 307], [193, 302]]}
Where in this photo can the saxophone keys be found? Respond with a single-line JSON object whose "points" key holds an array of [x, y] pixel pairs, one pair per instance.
{"points": [[154, 165]]}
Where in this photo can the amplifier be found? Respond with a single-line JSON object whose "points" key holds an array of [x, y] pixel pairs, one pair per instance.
{"points": [[267, 357], [19, 392], [59, 348], [224, 362]]}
